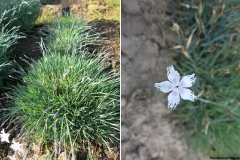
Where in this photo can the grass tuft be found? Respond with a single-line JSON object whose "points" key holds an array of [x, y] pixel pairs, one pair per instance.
{"points": [[8, 37], [22, 13], [69, 101], [69, 34], [209, 36]]}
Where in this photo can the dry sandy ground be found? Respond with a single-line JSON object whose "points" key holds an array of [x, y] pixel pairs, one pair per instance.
{"points": [[147, 131]]}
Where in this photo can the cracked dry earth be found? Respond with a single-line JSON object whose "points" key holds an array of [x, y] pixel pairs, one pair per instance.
{"points": [[147, 131]]}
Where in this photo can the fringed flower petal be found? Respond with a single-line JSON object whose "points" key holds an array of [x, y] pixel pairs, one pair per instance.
{"points": [[165, 86], [173, 99], [173, 75], [188, 81], [187, 94]]}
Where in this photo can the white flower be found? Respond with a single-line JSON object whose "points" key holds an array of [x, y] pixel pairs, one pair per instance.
{"points": [[15, 146], [177, 87], [12, 157], [4, 136]]}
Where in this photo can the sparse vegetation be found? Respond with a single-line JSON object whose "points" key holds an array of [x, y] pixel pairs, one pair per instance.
{"points": [[47, 15], [111, 10], [107, 9]]}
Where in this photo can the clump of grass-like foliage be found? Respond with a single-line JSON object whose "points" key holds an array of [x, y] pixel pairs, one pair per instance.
{"points": [[8, 37], [210, 41], [68, 34], [68, 100], [22, 13]]}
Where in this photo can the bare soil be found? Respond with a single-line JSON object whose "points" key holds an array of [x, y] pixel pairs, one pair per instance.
{"points": [[30, 47]]}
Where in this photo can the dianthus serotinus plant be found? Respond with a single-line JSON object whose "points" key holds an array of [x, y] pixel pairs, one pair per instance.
{"points": [[177, 87], [69, 101], [8, 37], [209, 40], [69, 33], [22, 13]]}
